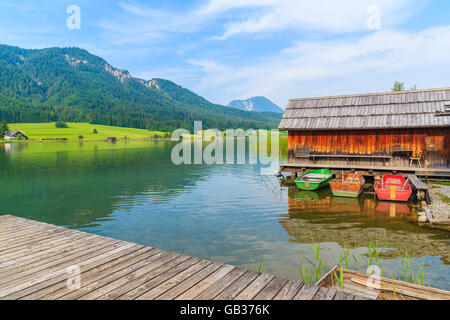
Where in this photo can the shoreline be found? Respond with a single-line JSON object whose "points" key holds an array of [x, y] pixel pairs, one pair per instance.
{"points": [[437, 213], [82, 140]]}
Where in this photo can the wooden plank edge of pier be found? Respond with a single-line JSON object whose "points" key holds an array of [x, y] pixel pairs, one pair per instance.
{"points": [[36, 260], [362, 284]]}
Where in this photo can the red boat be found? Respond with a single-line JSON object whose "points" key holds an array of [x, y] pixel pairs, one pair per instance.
{"points": [[393, 188]]}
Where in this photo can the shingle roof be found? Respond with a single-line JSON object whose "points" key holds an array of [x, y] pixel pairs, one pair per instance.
{"points": [[407, 109], [11, 133]]}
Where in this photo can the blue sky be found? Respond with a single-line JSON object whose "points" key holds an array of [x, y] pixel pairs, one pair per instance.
{"points": [[231, 49]]}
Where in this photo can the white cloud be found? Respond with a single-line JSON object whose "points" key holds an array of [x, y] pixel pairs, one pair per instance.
{"points": [[327, 15], [310, 68], [257, 16]]}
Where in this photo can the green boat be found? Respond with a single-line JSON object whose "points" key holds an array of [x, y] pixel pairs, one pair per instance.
{"points": [[315, 179]]}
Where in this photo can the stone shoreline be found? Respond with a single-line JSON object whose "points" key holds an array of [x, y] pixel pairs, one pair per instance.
{"points": [[438, 212]]}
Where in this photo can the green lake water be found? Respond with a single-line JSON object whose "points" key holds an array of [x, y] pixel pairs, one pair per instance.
{"points": [[226, 213]]}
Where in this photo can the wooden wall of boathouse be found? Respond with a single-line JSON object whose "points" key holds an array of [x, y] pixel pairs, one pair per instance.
{"points": [[434, 143]]}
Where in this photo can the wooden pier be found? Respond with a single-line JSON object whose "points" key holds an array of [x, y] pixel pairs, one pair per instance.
{"points": [[42, 261], [368, 170]]}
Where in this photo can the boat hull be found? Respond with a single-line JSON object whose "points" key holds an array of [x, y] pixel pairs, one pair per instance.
{"points": [[346, 194], [307, 185], [341, 187], [393, 188]]}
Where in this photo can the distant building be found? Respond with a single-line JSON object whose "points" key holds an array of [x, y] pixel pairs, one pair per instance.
{"points": [[13, 135]]}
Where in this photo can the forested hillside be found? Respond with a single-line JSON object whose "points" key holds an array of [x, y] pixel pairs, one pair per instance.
{"points": [[70, 84]]}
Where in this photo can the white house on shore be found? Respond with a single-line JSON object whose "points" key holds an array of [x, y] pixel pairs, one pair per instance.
{"points": [[14, 135]]}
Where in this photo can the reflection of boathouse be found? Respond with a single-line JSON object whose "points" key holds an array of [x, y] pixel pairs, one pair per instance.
{"points": [[353, 222], [323, 203]]}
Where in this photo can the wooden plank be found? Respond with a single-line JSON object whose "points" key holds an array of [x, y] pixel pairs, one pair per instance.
{"points": [[136, 278], [424, 295], [95, 274], [13, 221], [325, 294], [206, 283], [55, 266], [62, 268], [237, 286], [154, 278], [111, 279], [360, 291], [20, 266], [220, 285], [307, 292], [190, 282], [20, 269], [340, 295], [289, 290], [272, 289], [169, 281], [98, 266], [31, 247], [30, 238], [36, 253], [386, 282], [255, 287], [417, 184], [15, 226], [166, 280], [11, 236]]}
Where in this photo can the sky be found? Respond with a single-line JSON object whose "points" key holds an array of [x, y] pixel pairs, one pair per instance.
{"points": [[235, 49]]}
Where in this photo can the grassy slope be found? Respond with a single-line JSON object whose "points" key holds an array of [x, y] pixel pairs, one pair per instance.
{"points": [[38, 131]]}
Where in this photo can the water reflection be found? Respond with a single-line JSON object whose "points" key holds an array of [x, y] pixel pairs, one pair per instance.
{"points": [[227, 213], [352, 222]]}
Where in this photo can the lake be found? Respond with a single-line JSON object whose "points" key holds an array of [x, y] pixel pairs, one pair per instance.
{"points": [[131, 191]]}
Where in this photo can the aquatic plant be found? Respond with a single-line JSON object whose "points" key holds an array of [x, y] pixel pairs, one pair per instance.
{"points": [[316, 268], [339, 278], [393, 286], [373, 253], [343, 259], [264, 269], [356, 255], [410, 271], [311, 270]]}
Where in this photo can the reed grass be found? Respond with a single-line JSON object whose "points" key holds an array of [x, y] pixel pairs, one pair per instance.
{"points": [[410, 271], [313, 268], [317, 269], [339, 278], [262, 268]]}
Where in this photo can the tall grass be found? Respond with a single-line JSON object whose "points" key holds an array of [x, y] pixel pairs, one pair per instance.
{"points": [[410, 271], [262, 268], [313, 268], [317, 269]]}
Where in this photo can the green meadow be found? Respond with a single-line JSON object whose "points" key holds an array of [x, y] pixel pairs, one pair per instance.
{"points": [[74, 131]]}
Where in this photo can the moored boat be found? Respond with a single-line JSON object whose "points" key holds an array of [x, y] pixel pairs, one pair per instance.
{"points": [[348, 185], [315, 179], [393, 188]]}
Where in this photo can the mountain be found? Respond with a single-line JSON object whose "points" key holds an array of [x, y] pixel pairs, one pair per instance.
{"points": [[70, 84], [259, 104]]}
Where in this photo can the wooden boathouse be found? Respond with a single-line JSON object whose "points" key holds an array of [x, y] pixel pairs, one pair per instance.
{"points": [[404, 132]]}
